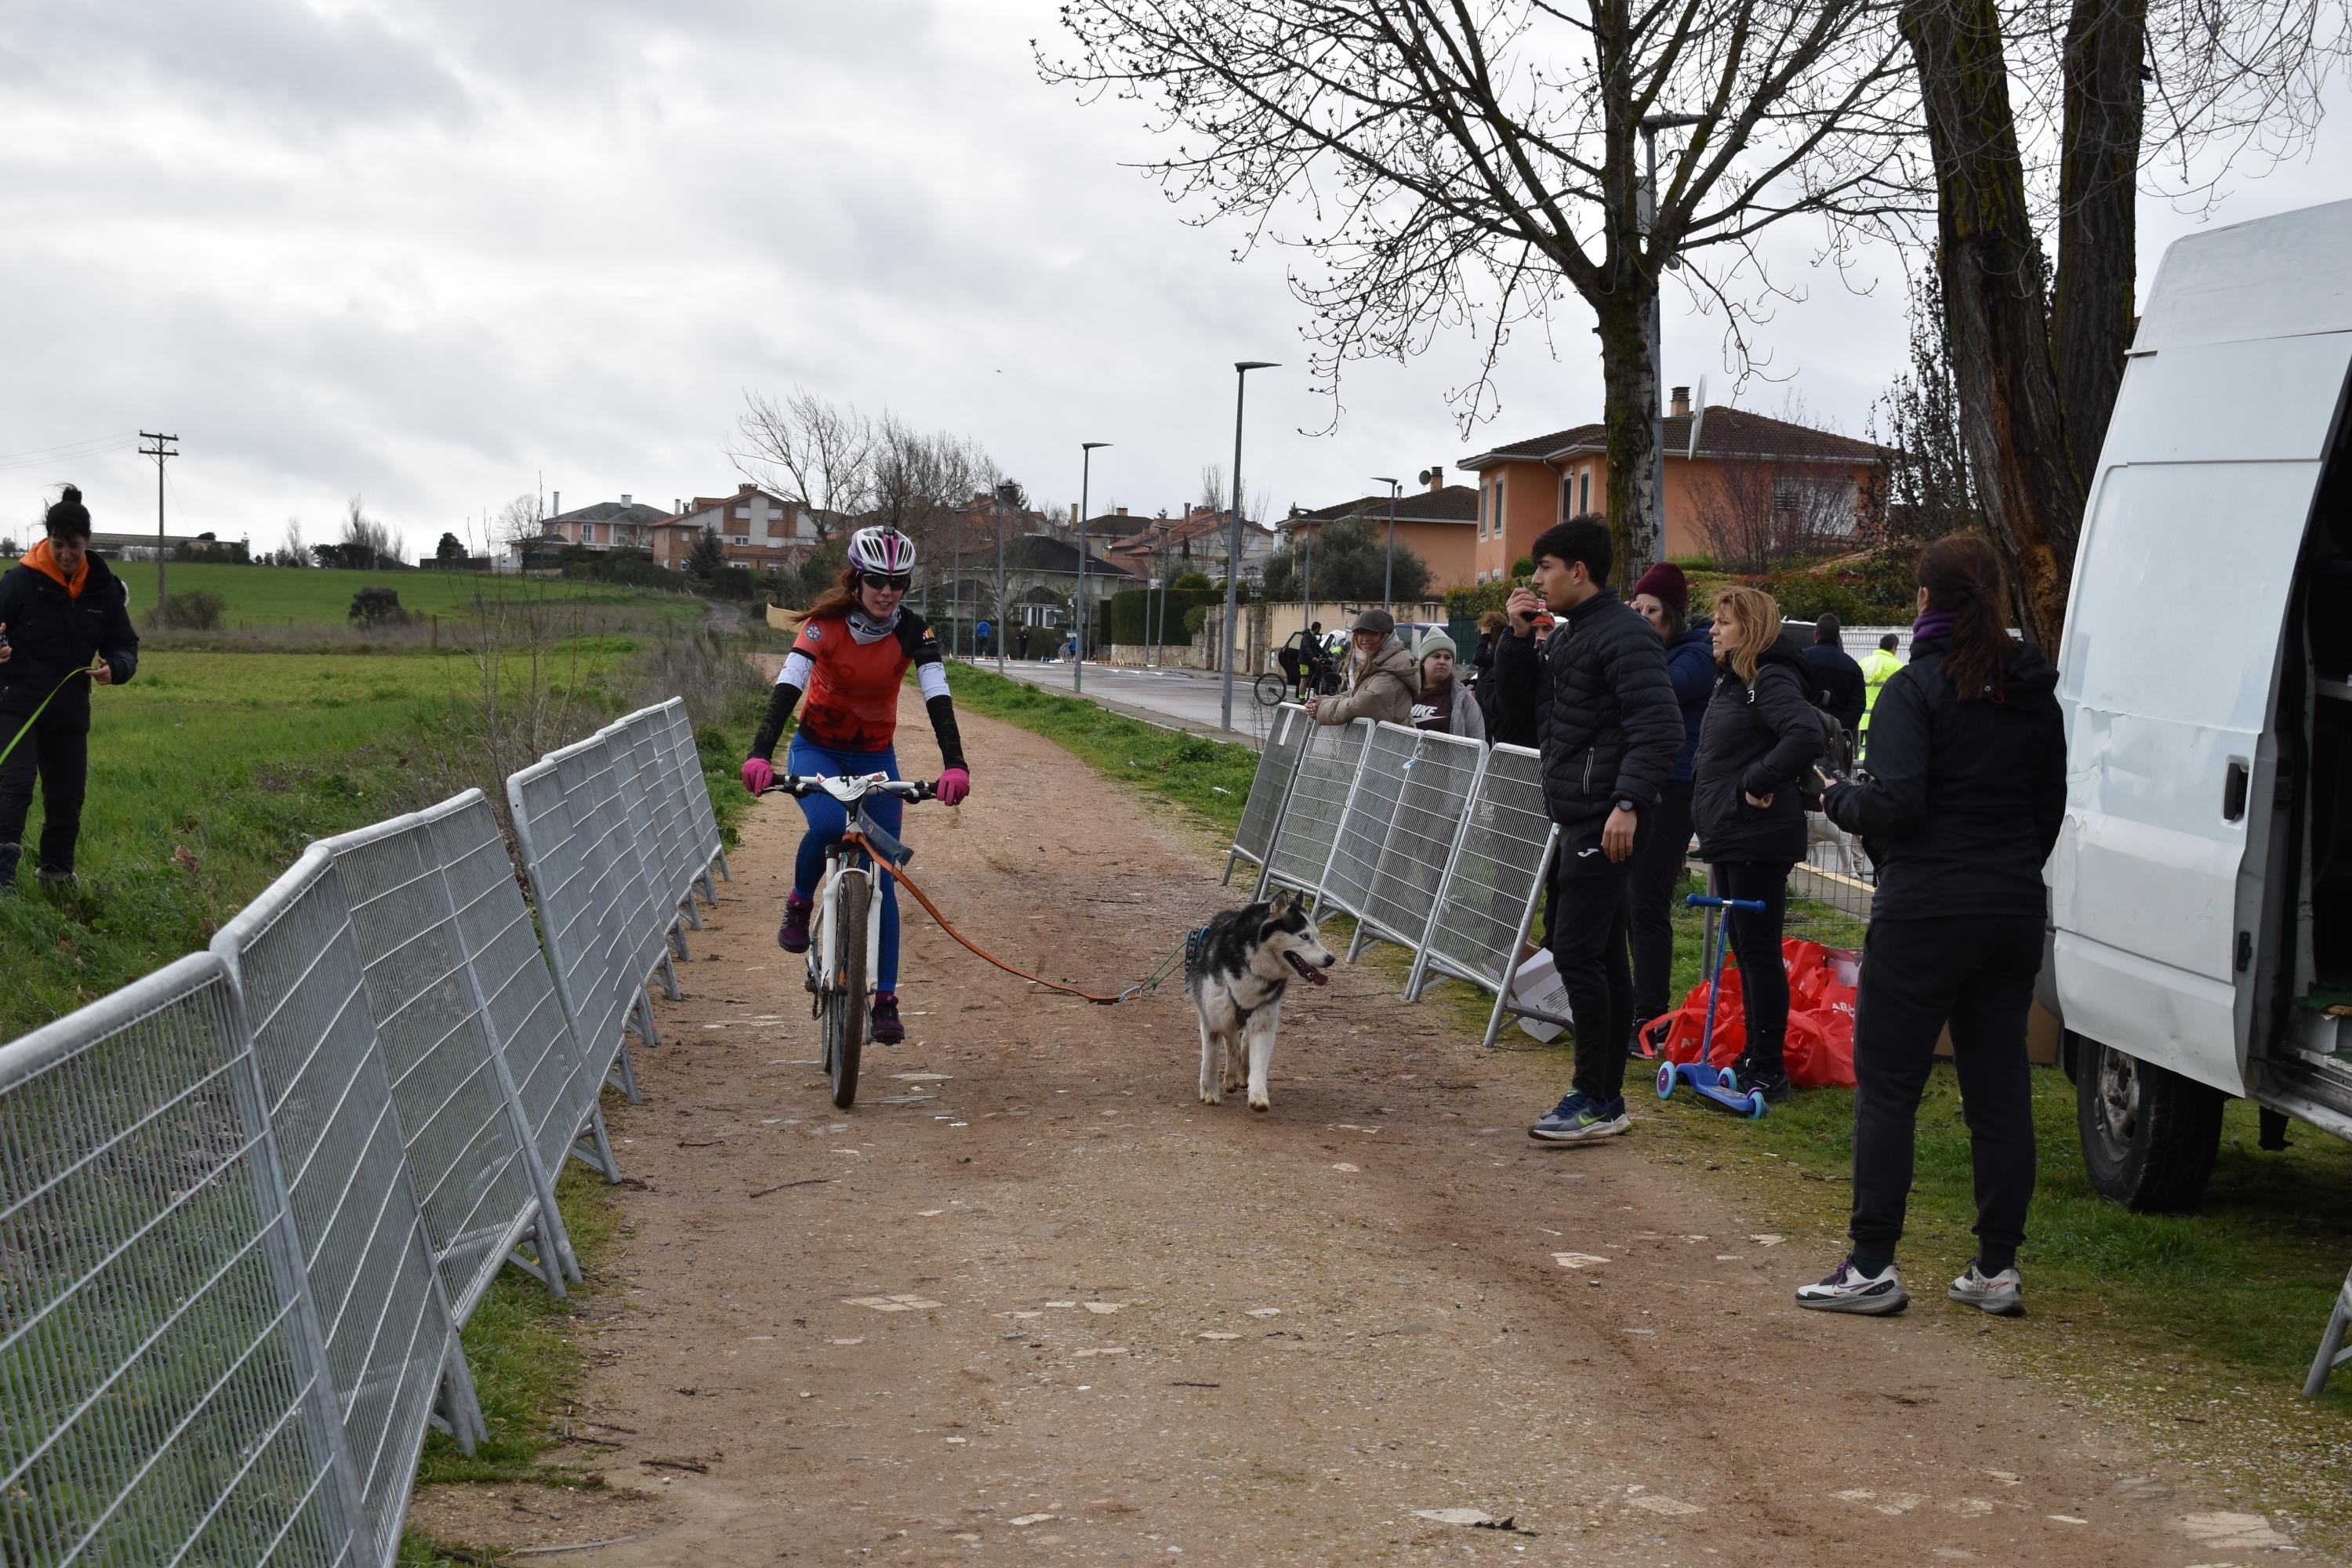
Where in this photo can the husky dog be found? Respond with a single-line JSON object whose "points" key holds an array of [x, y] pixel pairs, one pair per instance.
{"points": [[1236, 970]]}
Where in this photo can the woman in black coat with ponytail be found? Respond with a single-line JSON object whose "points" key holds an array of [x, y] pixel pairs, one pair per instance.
{"points": [[1756, 747], [1962, 804]]}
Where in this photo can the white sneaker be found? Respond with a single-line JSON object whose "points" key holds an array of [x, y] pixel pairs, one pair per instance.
{"points": [[2001, 1294], [1849, 1289]]}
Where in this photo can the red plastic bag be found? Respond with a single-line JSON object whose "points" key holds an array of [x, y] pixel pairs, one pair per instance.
{"points": [[1818, 1045]]}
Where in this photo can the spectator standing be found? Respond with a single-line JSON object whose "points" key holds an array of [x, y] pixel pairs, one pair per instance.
{"points": [[1022, 644], [1962, 805], [1760, 740], [1383, 682], [1482, 661], [980, 640], [1444, 704], [64, 627], [1663, 598], [1837, 678], [1608, 728], [1878, 667]]}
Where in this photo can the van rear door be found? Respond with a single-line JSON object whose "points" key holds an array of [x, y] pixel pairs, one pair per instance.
{"points": [[2170, 670]]}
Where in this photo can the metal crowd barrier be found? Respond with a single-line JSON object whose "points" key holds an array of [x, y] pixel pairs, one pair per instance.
{"points": [[1366, 819], [1401, 896], [1300, 851], [1277, 765], [246, 1202]]}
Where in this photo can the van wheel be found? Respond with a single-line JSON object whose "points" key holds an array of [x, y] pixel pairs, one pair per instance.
{"points": [[2149, 1135]]}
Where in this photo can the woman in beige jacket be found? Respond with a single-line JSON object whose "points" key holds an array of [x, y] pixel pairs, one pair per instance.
{"points": [[1386, 681]]}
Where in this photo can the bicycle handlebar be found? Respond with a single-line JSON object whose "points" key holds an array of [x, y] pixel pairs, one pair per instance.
{"points": [[798, 785]]}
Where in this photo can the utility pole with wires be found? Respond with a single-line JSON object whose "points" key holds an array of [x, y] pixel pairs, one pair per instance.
{"points": [[159, 451]]}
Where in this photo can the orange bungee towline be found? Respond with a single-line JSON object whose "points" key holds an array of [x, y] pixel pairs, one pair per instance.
{"points": [[1150, 983]]}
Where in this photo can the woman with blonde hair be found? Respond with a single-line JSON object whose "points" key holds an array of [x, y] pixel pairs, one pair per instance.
{"points": [[1757, 744]]}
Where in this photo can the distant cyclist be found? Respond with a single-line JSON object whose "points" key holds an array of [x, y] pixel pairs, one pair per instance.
{"points": [[851, 655]]}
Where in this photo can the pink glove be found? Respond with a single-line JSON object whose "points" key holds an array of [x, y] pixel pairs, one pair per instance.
{"points": [[757, 774], [953, 785]]}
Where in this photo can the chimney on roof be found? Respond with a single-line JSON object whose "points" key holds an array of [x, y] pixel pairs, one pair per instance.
{"points": [[1436, 476], [558, 510], [626, 499], [676, 506], [1122, 511], [1681, 407]]}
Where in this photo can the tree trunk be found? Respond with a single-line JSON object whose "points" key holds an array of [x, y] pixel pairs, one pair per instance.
{"points": [[1996, 312], [2091, 312], [1629, 407]]}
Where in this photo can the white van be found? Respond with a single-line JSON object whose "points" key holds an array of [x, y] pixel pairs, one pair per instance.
{"points": [[2201, 889]]}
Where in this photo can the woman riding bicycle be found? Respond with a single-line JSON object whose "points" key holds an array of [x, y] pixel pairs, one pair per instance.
{"points": [[851, 655]]}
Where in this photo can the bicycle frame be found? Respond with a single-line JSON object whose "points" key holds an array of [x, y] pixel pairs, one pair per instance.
{"points": [[843, 860]]}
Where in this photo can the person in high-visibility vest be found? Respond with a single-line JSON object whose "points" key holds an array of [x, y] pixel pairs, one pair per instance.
{"points": [[1878, 667]]}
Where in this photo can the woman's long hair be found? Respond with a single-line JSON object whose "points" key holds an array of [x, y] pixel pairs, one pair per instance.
{"points": [[837, 600], [1962, 576], [1758, 615]]}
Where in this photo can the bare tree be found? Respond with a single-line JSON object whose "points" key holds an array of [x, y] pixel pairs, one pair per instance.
{"points": [[521, 521], [811, 450], [368, 539], [1757, 517], [1926, 491], [2132, 83], [919, 480], [1456, 165]]}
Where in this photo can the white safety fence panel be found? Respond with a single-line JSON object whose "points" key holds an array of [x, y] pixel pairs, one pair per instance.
{"points": [[571, 846], [645, 910], [1497, 876], [163, 1396], [478, 1177], [390, 1336], [1438, 779], [667, 812], [1369, 814], [555, 1086], [1278, 764], [702, 822], [1301, 849]]}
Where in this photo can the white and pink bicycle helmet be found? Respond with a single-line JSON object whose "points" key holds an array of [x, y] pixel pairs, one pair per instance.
{"points": [[882, 551]]}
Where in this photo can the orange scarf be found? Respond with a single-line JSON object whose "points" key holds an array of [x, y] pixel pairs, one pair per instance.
{"points": [[41, 559]]}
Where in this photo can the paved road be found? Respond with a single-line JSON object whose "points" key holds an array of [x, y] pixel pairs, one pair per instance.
{"points": [[1189, 697]]}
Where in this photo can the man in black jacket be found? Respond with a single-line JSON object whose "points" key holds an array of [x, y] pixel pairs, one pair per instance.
{"points": [[64, 627], [1840, 687], [1604, 717]]}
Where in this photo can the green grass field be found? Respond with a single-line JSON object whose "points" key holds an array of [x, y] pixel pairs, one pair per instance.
{"points": [[264, 597], [2197, 1328]]}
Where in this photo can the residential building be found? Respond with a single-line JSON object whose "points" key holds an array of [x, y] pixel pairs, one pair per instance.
{"points": [[625, 524], [1749, 474], [1197, 541], [1041, 580], [756, 527], [1438, 522]]}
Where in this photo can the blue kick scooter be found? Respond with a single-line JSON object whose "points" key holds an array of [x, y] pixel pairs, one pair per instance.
{"points": [[1718, 1084]]}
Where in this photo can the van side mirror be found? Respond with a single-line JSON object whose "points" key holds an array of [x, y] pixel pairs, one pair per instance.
{"points": [[2234, 791]]}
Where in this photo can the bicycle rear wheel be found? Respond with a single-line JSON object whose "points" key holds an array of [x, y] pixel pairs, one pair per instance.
{"points": [[1272, 688], [844, 1006]]}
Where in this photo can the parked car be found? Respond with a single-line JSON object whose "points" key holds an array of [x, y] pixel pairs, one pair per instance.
{"points": [[2201, 889]]}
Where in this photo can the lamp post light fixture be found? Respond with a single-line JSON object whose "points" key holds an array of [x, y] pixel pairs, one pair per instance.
{"points": [[1086, 450], [1233, 538], [1388, 561]]}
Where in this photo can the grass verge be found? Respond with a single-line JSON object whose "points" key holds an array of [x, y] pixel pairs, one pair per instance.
{"points": [[2194, 1330]]}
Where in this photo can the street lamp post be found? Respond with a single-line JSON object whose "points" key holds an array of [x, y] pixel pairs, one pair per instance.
{"points": [[1651, 126], [955, 585], [1085, 476], [1234, 539], [1388, 563], [1004, 494]]}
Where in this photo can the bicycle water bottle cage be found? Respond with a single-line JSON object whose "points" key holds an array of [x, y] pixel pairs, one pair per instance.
{"points": [[885, 847]]}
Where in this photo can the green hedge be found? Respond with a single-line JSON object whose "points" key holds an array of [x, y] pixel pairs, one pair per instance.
{"points": [[1129, 626]]}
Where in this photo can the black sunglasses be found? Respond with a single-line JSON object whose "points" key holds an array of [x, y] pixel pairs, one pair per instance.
{"points": [[900, 580]]}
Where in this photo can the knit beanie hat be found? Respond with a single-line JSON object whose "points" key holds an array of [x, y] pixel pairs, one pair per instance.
{"points": [[1664, 581], [1436, 642]]}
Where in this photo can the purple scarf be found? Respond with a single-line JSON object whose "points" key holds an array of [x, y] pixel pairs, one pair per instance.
{"points": [[1934, 624]]}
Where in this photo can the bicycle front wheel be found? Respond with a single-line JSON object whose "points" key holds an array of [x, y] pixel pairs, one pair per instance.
{"points": [[1272, 688], [845, 1006]]}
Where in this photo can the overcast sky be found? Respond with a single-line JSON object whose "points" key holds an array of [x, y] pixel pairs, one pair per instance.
{"points": [[442, 252]]}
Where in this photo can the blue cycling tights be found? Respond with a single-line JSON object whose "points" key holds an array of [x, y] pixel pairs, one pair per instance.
{"points": [[828, 819]]}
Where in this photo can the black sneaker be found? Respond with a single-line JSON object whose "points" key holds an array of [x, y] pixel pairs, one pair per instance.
{"points": [[883, 1025]]}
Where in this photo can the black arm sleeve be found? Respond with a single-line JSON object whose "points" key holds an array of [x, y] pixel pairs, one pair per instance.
{"points": [[780, 703], [120, 645], [1797, 744], [1517, 666], [943, 726], [1652, 717], [1890, 802]]}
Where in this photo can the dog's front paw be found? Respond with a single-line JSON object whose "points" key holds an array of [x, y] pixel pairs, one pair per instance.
{"points": [[1234, 1083], [1210, 1097], [1260, 1103]]}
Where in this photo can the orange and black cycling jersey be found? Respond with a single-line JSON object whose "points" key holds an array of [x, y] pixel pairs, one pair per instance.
{"points": [[849, 668]]}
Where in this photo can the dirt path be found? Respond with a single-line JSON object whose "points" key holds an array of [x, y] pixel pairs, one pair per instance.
{"points": [[1031, 1300]]}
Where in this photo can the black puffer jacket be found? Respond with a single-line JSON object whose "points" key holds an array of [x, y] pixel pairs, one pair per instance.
{"points": [[1963, 800], [1599, 705], [1759, 739], [51, 632]]}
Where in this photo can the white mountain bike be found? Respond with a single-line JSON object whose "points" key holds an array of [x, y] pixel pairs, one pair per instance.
{"points": [[845, 925]]}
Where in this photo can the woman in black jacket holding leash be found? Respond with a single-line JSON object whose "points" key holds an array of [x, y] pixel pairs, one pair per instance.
{"points": [[1966, 792], [1756, 747], [64, 627]]}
